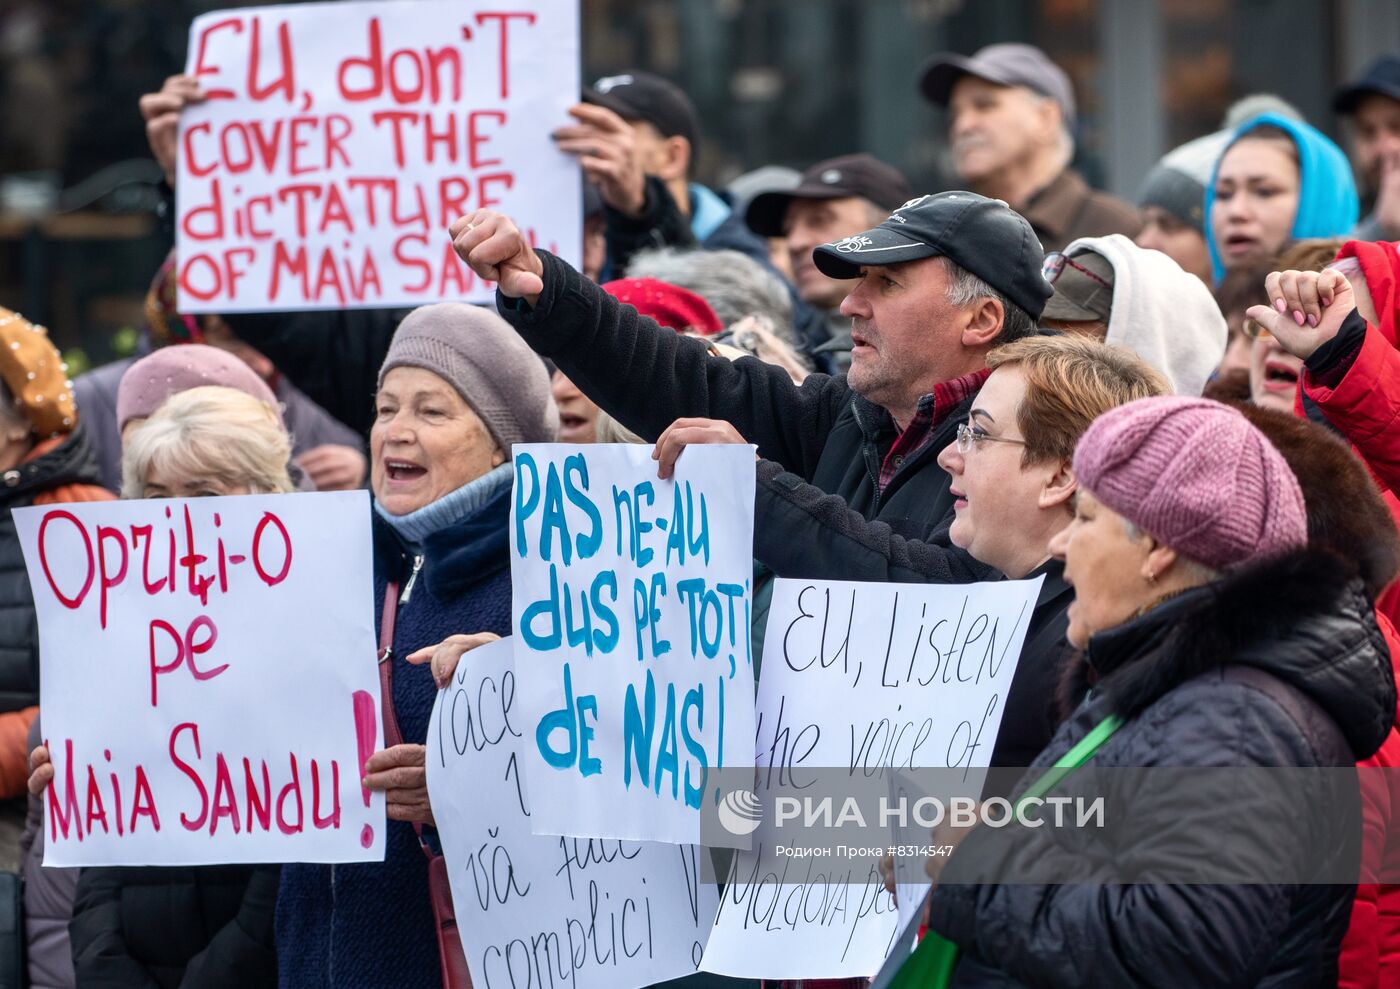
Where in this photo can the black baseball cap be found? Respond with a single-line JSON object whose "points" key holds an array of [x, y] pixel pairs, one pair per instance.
{"points": [[983, 236], [643, 96], [836, 178], [1382, 77]]}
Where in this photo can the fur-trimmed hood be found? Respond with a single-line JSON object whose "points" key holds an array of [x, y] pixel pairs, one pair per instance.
{"points": [[1303, 618]]}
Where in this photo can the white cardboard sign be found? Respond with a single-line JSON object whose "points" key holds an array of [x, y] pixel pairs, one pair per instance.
{"points": [[338, 141], [632, 605], [536, 910], [869, 678], [209, 687]]}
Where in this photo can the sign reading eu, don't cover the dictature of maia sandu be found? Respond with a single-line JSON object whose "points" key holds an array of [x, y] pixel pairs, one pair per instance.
{"points": [[338, 141], [632, 610], [208, 679]]}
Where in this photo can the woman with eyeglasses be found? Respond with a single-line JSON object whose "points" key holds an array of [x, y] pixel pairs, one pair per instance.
{"points": [[1012, 483], [1273, 371]]}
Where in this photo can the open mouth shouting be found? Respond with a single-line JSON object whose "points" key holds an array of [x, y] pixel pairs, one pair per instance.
{"points": [[400, 471], [1280, 375]]}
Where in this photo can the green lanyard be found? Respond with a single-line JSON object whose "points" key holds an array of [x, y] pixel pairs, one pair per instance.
{"points": [[932, 963], [1077, 756]]}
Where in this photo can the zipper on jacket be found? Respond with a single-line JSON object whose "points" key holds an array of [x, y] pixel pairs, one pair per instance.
{"points": [[408, 584], [869, 453]]}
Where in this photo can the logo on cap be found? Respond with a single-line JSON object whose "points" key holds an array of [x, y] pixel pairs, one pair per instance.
{"points": [[914, 202], [831, 176], [849, 245], [609, 83]]}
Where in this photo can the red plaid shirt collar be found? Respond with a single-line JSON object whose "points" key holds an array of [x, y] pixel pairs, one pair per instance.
{"points": [[933, 409]]}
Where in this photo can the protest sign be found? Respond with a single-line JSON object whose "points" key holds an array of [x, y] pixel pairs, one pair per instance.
{"points": [[632, 613], [208, 676], [337, 141], [859, 681], [539, 911]]}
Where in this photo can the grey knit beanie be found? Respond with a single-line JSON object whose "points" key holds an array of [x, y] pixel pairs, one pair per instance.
{"points": [[1177, 183], [477, 352]]}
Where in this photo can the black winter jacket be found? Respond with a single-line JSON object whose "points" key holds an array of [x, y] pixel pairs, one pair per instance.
{"points": [[333, 356], [198, 927], [822, 431], [822, 539], [661, 224], [72, 462], [1281, 665]]}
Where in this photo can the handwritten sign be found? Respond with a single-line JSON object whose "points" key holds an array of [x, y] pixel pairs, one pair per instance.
{"points": [[208, 679], [539, 911], [338, 141], [863, 680], [632, 609]]}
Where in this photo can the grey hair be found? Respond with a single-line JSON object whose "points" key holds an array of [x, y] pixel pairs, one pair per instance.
{"points": [[965, 288], [210, 431], [734, 284], [1195, 571]]}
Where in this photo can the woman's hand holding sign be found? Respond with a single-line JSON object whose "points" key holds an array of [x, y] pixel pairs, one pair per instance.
{"points": [[442, 658], [40, 770], [399, 773]]}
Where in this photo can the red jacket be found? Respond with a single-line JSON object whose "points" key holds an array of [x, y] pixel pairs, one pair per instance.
{"points": [[1365, 406]]}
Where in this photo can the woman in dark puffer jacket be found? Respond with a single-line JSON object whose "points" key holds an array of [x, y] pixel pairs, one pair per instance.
{"points": [[1213, 639]]}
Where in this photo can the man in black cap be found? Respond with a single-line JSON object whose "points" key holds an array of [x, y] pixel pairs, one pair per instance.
{"points": [[832, 200], [937, 285], [1011, 117], [636, 137], [1373, 104]]}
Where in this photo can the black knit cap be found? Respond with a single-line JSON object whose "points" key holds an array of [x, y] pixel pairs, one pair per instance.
{"points": [[981, 235]]}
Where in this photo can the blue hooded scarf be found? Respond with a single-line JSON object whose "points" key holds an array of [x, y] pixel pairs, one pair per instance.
{"points": [[1327, 202]]}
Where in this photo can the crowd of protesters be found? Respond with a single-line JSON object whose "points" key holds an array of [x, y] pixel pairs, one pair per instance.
{"points": [[1179, 412]]}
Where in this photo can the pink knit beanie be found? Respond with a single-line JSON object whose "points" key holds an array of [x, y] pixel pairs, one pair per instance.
{"points": [[1196, 475], [150, 381]]}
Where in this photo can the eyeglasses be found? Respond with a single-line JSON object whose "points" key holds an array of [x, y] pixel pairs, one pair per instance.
{"points": [[969, 436], [1055, 263], [1253, 330]]}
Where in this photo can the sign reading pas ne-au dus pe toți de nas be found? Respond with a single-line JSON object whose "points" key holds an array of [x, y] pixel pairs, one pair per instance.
{"points": [[632, 611]]}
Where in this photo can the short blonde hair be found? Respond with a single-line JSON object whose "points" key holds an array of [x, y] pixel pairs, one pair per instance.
{"points": [[1070, 382], [214, 432]]}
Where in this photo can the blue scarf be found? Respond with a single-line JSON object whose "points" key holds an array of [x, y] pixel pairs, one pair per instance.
{"points": [[1327, 200], [453, 507]]}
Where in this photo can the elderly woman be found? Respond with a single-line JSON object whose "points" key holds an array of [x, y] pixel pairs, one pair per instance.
{"points": [[457, 390], [142, 927], [1212, 639]]}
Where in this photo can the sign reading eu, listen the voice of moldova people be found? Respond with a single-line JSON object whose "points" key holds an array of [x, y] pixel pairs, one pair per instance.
{"points": [[860, 681], [209, 685], [337, 141], [631, 607]]}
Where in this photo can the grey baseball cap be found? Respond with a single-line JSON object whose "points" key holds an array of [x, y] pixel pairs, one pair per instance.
{"points": [[1003, 64]]}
